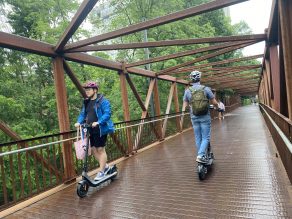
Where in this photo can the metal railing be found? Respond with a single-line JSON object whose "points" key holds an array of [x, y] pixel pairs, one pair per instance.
{"points": [[32, 166], [281, 130]]}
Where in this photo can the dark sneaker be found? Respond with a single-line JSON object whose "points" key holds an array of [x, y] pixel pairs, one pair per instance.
{"points": [[202, 159]]}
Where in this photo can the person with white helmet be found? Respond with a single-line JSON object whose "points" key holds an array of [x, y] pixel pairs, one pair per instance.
{"points": [[198, 97]]}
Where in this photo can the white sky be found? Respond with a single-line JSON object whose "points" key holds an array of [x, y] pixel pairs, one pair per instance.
{"points": [[256, 13]]}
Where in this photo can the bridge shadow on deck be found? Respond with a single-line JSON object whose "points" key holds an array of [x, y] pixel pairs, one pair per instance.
{"points": [[247, 180]]}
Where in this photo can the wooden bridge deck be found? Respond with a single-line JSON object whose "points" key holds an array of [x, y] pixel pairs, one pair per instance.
{"points": [[247, 180]]}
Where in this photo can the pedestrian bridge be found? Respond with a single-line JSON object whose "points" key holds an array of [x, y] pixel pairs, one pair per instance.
{"points": [[248, 179], [155, 155]]}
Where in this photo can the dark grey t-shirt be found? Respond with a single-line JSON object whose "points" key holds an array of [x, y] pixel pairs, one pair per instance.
{"points": [[90, 112]]}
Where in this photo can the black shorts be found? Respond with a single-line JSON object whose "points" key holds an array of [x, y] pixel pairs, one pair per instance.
{"points": [[95, 139], [221, 110]]}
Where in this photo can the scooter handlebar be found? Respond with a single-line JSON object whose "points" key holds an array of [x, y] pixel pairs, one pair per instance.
{"points": [[86, 125]]}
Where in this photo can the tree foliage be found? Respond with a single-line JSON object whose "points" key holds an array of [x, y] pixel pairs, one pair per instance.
{"points": [[27, 93]]}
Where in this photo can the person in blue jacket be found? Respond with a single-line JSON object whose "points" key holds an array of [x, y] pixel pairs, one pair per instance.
{"points": [[96, 110]]}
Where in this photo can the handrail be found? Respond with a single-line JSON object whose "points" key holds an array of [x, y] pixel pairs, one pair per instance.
{"points": [[72, 131], [281, 130], [283, 136], [56, 142]]}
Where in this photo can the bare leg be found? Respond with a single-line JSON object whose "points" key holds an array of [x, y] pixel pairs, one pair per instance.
{"points": [[101, 156]]}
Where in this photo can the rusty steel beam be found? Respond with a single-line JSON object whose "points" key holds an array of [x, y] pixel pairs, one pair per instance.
{"points": [[63, 116], [126, 109], [191, 68], [285, 11], [230, 79], [273, 29], [243, 86], [81, 14], [214, 5], [211, 55], [234, 83], [275, 71], [225, 72], [244, 83], [99, 62], [24, 44], [74, 79], [240, 67], [92, 60], [135, 92], [185, 53], [170, 43]]}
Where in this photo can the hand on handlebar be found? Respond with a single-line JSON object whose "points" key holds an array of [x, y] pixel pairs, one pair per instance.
{"points": [[94, 124]]}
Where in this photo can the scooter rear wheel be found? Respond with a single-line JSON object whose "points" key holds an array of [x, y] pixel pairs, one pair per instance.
{"points": [[201, 172], [82, 189]]}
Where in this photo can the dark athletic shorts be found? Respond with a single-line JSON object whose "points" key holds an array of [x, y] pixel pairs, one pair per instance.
{"points": [[95, 139]]}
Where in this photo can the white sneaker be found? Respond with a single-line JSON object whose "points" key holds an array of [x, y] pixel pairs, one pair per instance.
{"points": [[100, 175], [106, 169]]}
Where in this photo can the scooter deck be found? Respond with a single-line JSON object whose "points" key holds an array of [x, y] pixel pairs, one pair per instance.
{"points": [[210, 161], [107, 176]]}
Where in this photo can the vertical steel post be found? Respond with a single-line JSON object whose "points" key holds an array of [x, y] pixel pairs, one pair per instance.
{"points": [[285, 12], [126, 109], [63, 116]]}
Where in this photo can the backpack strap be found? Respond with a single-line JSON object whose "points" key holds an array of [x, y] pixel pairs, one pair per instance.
{"points": [[193, 90]]}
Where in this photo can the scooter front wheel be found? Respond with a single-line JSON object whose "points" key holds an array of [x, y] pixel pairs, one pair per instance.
{"points": [[82, 189]]}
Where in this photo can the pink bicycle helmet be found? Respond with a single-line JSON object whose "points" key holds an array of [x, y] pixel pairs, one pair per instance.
{"points": [[90, 84]]}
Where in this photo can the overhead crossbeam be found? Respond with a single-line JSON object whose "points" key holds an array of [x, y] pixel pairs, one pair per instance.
{"points": [[211, 55], [81, 14], [190, 68], [169, 43], [24, 44], [200, 9], [185, 53]]}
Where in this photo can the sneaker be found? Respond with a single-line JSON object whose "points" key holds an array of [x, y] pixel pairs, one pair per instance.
{"points": [[202, 159], [100, 175], [106, 169]]}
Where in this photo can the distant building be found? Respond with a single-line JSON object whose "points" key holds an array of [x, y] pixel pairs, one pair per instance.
{"points": [[227, 11], [5, 26]]}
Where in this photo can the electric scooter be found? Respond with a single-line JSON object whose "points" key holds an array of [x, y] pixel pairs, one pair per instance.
{"points": [[203, 168], [84, 184]]}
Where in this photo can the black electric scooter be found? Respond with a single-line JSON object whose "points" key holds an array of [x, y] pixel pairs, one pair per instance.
{"points": [[204, 167], [86, 182]]}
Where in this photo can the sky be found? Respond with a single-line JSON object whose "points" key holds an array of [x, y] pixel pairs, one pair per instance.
{"points": [[256, 13]]}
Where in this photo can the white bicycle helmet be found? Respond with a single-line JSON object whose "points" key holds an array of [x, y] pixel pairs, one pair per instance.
{"points": [[195, 75]]}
